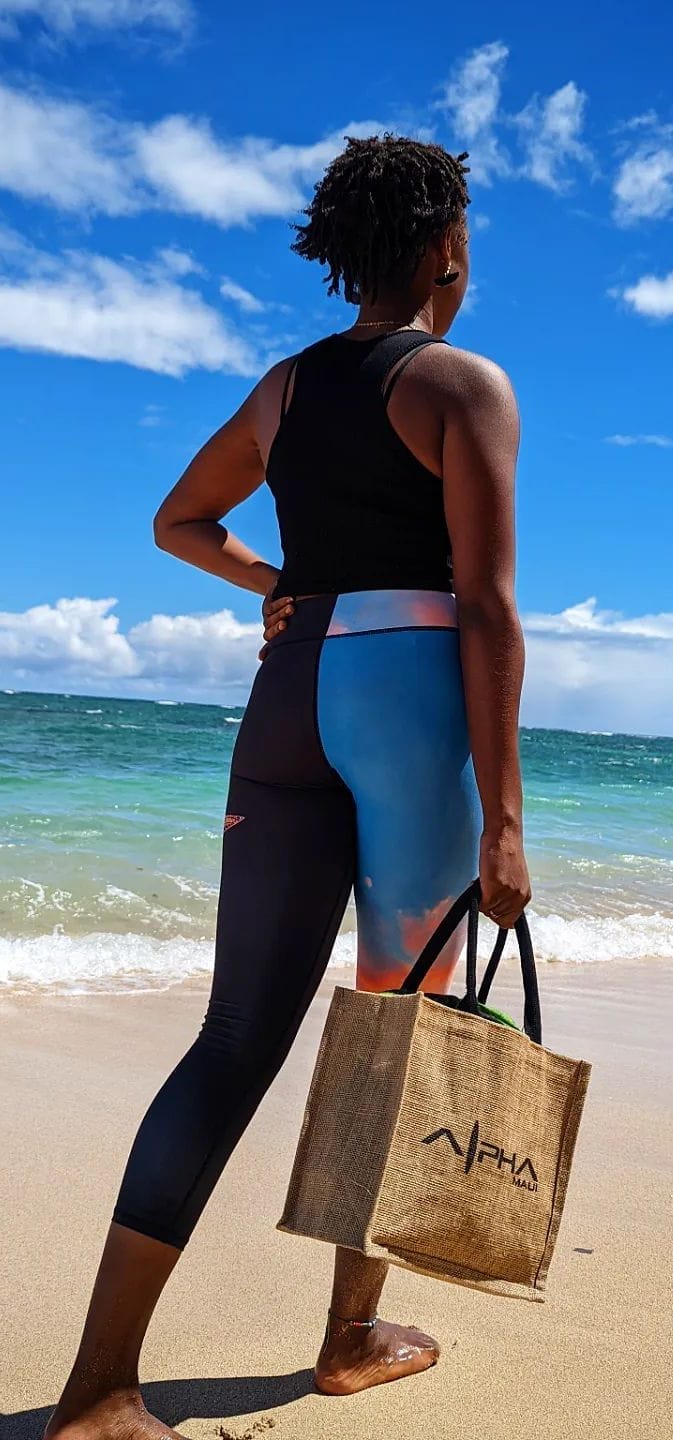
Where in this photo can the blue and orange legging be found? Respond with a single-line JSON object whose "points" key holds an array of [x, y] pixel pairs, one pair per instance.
{"points": [[352, 767]]}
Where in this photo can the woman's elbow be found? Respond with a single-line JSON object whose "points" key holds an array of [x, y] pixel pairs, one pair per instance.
{"points": [[161, 528], [490, 609]]}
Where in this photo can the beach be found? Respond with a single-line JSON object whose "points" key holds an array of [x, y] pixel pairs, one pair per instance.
{"points": [[306, 651], [109, 868], [231, 1347]]}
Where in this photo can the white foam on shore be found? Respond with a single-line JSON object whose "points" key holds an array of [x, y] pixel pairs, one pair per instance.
{"points": [[77, 964], [584, 939], [345, 949], [590, 939]]}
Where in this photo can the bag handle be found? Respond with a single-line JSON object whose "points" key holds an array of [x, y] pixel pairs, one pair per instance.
{"points": [[468, 904]]}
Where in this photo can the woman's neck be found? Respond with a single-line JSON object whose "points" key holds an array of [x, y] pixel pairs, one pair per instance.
{"points": [[394, 313]]}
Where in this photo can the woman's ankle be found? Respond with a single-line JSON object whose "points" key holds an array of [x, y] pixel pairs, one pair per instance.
{"points": [[80, 1398]]}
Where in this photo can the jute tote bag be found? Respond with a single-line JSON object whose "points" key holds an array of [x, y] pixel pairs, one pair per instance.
{"points": [[437, 1135]]}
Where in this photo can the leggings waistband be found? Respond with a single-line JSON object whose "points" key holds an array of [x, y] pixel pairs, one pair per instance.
{"points": [[364, 611]]}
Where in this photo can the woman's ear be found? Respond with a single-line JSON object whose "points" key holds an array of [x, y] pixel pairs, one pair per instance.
{"points": [[446, 250]]}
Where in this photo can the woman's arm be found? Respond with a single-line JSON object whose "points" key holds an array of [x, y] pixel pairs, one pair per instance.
{"points": [[481, 440], [226, 471]]}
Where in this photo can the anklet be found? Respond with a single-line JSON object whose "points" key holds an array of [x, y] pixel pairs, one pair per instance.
{"points": [[357, 1324]]}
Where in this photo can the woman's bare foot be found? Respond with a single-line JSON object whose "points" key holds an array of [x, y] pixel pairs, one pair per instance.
{"points": [[353, 1358], [120, 1416]]}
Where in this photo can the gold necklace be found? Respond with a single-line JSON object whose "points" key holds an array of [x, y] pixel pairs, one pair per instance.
{"points": [[374, 324]]}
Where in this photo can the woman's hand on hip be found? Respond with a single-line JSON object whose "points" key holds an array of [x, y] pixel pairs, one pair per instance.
{"points": [[503, 875], [275, 614]]}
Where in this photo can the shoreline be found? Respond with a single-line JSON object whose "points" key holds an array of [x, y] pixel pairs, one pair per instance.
{"points": [[163, 964], [336, 973], [235, 1335]]}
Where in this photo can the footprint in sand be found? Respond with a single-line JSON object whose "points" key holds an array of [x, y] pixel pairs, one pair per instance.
{"points": [[257, 1428]]}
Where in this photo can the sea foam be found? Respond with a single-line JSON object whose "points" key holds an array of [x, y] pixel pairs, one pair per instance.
{"points": [[77, 964]]}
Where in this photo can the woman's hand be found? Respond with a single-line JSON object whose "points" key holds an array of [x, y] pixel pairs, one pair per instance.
{"points": [[503, 875], [275, 615]]}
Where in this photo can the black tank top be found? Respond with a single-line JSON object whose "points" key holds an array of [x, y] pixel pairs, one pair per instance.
{"points": [[356, 510]]}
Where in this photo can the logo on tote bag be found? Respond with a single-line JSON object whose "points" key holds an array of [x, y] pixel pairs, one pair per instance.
{"points": [[523, 1174]]}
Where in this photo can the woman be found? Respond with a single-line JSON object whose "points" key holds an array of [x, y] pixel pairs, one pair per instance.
{"points": [[353, 760]]}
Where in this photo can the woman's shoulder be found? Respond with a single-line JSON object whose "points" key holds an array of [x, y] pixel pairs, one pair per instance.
{"points": [[467, 365], [462, 376]]}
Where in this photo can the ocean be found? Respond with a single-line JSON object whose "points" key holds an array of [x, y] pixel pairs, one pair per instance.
{"points": [[110, 831]]}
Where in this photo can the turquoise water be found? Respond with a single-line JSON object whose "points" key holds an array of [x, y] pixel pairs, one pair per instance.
{"points": [[111, 817]]}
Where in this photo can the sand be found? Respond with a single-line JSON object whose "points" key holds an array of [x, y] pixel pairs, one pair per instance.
{"points": [[232, 1344]]}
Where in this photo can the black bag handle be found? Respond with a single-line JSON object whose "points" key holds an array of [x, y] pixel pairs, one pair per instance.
{"points": [[468, 904]]}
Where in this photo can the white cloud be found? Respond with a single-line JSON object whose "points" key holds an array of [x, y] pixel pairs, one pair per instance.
{"points": [[76, 158], [644, 185], [662, 442], [79, 159], [472, 102], [587, 620], [68, 16], [651, 296], [78, 643], [591, 669], [231, 290], [471, 299], [179, 262], [647, 120], [81, 304], [152, 417], [193, 172], [549, 128], [66, 154], [587, 668], [550, 131], [202, 650], [72, 636]]}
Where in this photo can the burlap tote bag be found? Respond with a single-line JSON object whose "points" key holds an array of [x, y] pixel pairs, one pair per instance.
{"points": [[437, 1135]]}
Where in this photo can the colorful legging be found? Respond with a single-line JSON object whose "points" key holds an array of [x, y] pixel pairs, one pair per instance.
{"points": [[352, 767]]}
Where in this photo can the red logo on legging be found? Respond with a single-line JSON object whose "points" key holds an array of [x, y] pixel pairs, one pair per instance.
{"points": [[230, 820]]}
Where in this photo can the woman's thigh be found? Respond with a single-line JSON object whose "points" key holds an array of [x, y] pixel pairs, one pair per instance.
{"points": [[392, 722]]}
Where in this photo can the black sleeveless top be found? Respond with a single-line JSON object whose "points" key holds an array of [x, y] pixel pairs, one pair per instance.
{"points": [[356, 510]]}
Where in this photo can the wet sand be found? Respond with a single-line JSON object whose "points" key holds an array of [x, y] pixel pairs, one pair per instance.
{"points": [[231, 1347]]}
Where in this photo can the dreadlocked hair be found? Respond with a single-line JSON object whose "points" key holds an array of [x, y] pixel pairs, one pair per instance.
{"points": [[375, 209]]}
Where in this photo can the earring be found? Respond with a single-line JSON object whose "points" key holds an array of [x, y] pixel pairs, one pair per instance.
{"points": [[448, 277]]}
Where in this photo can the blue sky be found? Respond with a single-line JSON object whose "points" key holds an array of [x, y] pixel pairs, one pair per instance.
{"points": [[152, 153]]}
